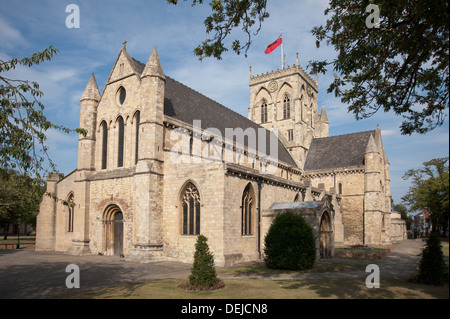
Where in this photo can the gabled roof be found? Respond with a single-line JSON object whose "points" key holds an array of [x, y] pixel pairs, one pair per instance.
{"points": [[338, 151], [137, 66]]}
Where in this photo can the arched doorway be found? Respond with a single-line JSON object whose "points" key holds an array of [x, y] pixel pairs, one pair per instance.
{"points": [[113, 231], [325, 233]]}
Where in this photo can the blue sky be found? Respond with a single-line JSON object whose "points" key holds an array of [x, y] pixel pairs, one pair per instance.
{"points": [[28, 26]]}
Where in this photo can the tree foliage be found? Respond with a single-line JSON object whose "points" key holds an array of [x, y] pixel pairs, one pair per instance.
{"points": [[226, 16], [290, 243], [432, 267], [400, 63], [430, 190], [23, 125], [18, 199], [203, 272]]}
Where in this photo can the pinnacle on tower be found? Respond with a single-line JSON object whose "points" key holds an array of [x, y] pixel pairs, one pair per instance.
{"points": [[153, 66], [91, 91], [323, 115], [371, 145]]}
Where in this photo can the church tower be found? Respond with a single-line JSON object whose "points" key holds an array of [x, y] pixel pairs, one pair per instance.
{"points": [[86, 166], [148, 179], [287, 100]]}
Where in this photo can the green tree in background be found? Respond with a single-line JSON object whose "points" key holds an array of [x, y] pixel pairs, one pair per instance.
{"points": [[430, 191], [18, 199]]}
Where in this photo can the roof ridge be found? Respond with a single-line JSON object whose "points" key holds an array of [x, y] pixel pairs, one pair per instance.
{"points": [[319, 138]]}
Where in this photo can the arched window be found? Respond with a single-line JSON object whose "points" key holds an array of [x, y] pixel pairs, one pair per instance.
{"points": [[104, 130], [120, 140], [190, 210], [71, 211], [264, 111], [137, 119], [286, 107], [248, 204]]}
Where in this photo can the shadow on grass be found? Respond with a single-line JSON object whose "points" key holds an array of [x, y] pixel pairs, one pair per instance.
{"points": [[323, 266], [355, 288]]}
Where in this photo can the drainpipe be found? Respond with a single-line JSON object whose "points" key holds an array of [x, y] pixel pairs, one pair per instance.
{"points": [[259, 217], [364, 221]]}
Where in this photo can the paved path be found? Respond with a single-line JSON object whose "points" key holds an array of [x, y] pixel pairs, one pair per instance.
{"points": [[29, 274]]}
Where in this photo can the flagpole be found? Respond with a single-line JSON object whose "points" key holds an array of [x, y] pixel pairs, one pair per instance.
{"points": [[282, 56]]}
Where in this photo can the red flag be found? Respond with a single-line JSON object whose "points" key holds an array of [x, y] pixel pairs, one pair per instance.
{"points": [[274, 45]]}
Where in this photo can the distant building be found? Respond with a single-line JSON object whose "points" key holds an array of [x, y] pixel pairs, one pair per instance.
{"points": [[422, 222]]}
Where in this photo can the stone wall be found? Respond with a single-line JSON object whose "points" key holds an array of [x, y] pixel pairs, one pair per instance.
{"points": [[107, 189], [352, 198]]}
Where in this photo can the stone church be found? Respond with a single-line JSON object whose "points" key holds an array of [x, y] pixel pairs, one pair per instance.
{"points": [[162, 163]]}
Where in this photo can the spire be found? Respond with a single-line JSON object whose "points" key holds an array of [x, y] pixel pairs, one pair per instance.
{"points": [[323, 115], [378, 137], [296, 62], [153, 66], [371, 145], [91, 91]]}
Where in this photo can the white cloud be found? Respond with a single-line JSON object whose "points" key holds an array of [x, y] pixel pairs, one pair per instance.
{"points": [[391, 132], [10, 37]]}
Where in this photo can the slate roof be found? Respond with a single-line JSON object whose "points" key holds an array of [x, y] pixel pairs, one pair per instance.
{"points": [[295, 205], [187, 105], [337, 151]]}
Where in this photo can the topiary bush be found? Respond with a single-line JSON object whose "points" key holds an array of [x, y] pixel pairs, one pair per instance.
{"points": [[432, 267], [290, 243], [203, 272]]}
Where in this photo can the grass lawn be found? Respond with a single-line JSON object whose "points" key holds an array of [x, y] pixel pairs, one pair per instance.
{"points": [[353, 288], [390, 288], [324, 266]]}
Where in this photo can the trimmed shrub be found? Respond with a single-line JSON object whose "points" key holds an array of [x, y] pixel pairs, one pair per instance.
{"points": [[203, 271], [290, 243], [432, 268]]}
